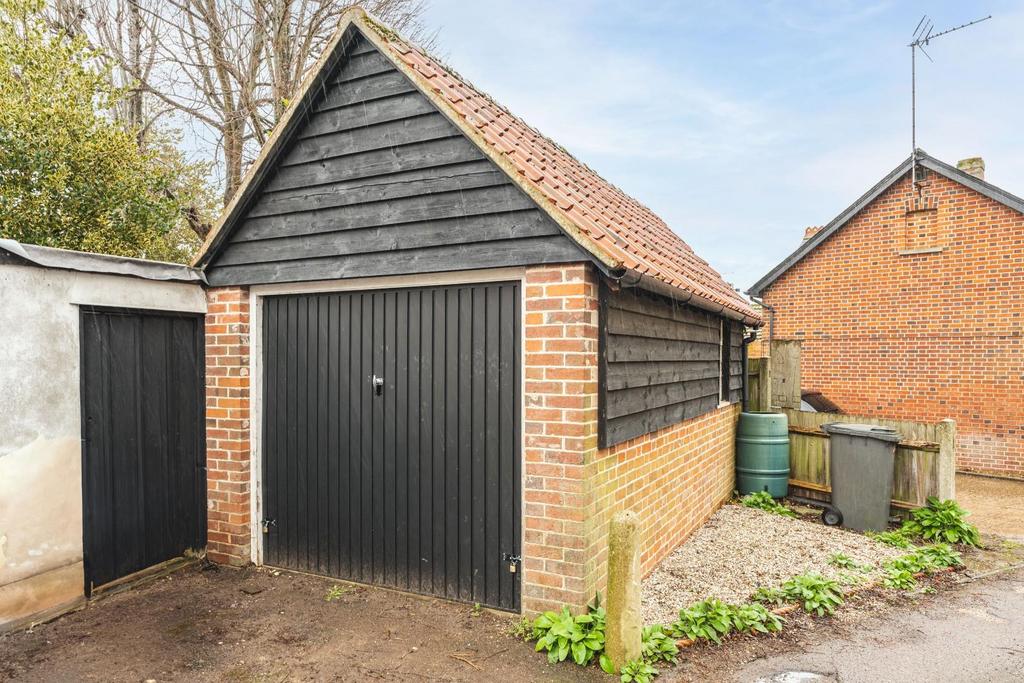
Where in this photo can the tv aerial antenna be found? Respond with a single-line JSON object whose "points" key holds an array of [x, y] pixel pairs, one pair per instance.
{"points": [[923, 35]]}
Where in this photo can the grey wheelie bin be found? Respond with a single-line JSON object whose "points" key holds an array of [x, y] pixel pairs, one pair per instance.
{"points": [[861, 466]]}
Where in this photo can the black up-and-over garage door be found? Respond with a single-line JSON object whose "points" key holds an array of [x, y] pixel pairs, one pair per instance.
{"points": [[391, 438]]}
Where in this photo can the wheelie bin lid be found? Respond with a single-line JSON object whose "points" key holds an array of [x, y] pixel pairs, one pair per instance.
{"points": [[863, 430]]}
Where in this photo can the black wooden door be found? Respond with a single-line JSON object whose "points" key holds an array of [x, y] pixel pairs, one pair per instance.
{"points": [[391, 438], [143, 445]]}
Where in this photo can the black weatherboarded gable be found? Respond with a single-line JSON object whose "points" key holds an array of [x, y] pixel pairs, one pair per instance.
{"points": [[374, 180], [661, 363]]}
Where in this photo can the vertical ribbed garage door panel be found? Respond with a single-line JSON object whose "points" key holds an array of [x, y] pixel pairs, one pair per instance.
{"points": [[417, 488], [144, 486]]}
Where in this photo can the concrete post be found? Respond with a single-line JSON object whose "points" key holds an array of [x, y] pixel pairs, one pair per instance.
{"points": [[623, 630], [947, 460]]}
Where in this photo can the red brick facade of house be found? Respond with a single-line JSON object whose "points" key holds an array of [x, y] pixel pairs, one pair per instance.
{"points": [[915, 310], [674, 478]]}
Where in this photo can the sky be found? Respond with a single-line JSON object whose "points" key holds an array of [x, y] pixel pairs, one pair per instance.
{"points": [[741, 123]]}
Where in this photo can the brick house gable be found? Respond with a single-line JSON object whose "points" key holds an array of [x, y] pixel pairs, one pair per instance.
{"points": [[912, 307], [817, 236]]}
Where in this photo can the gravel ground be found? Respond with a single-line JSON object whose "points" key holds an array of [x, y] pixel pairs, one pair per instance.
{"points": [[740, 549]]}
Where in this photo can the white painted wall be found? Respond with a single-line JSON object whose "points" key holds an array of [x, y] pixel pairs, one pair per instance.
{"points": [[40, 430]]}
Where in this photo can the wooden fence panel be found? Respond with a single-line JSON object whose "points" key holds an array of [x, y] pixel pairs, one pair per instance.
{"points": [[923, 464]]}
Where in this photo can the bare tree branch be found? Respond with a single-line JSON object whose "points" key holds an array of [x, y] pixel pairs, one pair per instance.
{"points": [[230, 66]]}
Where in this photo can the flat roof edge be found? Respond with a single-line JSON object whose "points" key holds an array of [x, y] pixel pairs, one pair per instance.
{"points": [[84, 262]]}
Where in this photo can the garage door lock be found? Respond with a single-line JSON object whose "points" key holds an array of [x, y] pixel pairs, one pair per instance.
{"points": [[513, 562], [267, 523], [378, 385]]}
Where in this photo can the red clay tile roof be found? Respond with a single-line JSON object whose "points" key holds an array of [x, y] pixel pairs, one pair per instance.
{"points": [[628, 233]]}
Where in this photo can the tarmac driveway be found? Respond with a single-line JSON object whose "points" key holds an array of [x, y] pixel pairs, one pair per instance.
{"points": [[974, 634]]}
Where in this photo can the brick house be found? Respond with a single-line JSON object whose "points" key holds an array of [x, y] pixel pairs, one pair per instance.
{"points": [[441, 352], [910, 305]]}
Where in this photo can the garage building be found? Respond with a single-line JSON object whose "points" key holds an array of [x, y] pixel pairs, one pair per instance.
{"points": [[442, 352]]}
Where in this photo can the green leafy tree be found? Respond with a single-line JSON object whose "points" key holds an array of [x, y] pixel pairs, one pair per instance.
{"points": [[71, 176]]}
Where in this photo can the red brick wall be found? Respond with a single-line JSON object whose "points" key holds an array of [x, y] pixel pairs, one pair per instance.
{"points": [[227, 425], [921, 336], [560, 433], [674, 479]]}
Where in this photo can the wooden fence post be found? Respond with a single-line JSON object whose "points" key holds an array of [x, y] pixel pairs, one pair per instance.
{"points": [[763, 399], [947, 459], [785, 374], [623, 621]]}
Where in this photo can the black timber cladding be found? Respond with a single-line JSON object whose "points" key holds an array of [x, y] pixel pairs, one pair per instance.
{"points": [[660, 363], [736, 374], [374, 180], [143, 440], [415, 485]]}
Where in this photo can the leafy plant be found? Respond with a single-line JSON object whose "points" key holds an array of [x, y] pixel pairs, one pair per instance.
{"points": [[335, 592], [941, 521], [769, 596], [562, 635], [637, 671], [897, 538], [848, 579], [814, 592], [762, 500], [521, 629], [912, 562], [658, 646], [941, 555], [477, 609], [709, 619], [900, 571], [843, 561], [754, 617], [898, 578]]}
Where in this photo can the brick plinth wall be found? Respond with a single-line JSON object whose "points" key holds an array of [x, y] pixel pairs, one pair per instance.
{"points": [[674, 479], [914, 310], [227, 426]]}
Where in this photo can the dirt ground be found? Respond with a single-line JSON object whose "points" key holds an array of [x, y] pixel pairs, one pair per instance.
{"points": [[260, 625], [253, 625], [995, 504]]}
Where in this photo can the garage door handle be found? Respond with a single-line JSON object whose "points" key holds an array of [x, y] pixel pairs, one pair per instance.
{"points": [[378, 385]]}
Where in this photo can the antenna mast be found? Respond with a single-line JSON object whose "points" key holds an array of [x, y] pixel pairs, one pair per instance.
{"points": [[924, 34]]}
